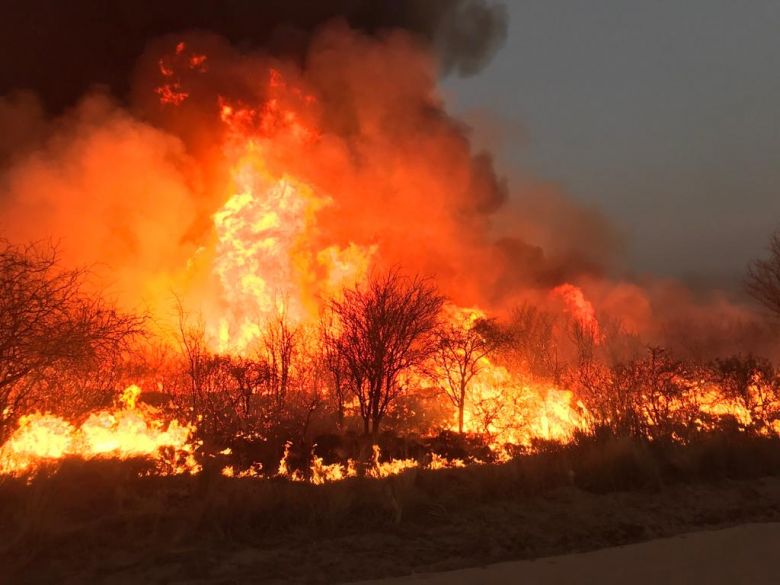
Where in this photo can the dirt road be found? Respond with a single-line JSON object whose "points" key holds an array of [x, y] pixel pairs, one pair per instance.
{"points": [[746, 554]]}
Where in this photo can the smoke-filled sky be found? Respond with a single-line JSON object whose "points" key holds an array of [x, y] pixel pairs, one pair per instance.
{"points": [[664, 114]]}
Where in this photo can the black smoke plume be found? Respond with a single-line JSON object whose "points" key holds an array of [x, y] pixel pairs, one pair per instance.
{"points": [[61, 49]]}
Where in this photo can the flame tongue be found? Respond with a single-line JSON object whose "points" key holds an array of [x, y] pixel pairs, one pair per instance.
{"points": [[122, 433], [269, 257], [260, 233]]}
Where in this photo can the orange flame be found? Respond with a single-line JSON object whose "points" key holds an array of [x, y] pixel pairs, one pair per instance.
{"points": [[266, 257], [129, 431], [580, 308]]}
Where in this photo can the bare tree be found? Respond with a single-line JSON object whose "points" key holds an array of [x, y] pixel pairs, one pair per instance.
{"points": [[226, 394], [754, 384], [461, 351], [763, 278], [665, 387], [529, 345], [334, 365], [384, 328], [248, 379], [280, 345], [207, 394], [306, 400], [48, 323], [193, 346]]}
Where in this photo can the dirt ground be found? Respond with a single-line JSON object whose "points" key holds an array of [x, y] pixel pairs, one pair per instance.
{"points": [[745, 554], [563, 521]]}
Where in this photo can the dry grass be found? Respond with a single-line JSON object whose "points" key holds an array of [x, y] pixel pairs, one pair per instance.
{"points": [[101, 519]]}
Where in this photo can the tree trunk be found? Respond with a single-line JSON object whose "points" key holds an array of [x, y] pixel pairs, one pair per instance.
{"points": [[339, 401], [340, 416], [461, 406]]}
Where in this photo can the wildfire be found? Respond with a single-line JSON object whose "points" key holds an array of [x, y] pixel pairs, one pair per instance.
{"points": [[267, 257], [580, 309], [509, 411], [130, 430], [504, 407], [321, 472], [267, 252]]}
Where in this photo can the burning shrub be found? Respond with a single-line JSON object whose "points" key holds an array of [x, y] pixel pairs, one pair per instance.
{"points": [[753, 385], [382, 331], [274, 190], [462, 348], [50, 328]]}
